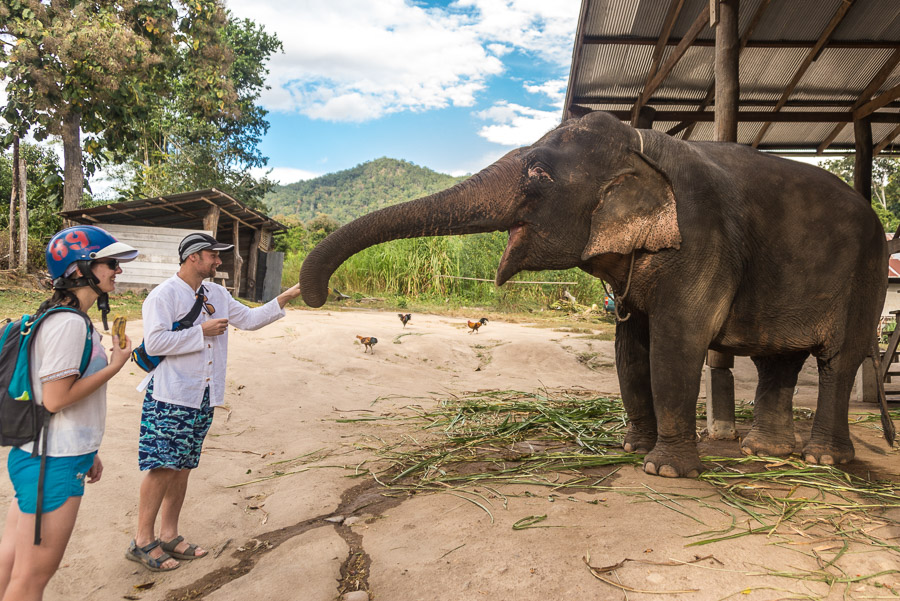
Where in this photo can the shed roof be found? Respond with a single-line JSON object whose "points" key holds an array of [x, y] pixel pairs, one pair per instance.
{"points": [[185, 210], [807, 69]]}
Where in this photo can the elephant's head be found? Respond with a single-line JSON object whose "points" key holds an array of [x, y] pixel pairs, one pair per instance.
{"points": [[583, 190]]}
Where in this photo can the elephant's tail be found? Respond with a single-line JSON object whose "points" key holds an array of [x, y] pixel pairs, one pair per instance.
{"points": [[887, 424]]}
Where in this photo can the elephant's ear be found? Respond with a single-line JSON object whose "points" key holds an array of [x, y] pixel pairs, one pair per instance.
{"points": [[635, 211]]}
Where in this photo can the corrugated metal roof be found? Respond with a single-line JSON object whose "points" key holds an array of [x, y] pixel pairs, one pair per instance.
{"points": [[616, 39], [184, 210]]}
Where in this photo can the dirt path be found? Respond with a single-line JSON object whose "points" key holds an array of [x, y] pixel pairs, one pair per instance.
{"points": [[286, 535]]}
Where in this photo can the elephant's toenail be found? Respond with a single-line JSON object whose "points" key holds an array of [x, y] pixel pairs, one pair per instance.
{"points": [[667, 471], [810, 459], [746, 450], [650, 468], [693, 474], [628, 448], [826, 460]]}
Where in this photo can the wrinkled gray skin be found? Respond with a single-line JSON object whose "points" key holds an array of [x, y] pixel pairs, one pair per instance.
{"points": [[733, 250]]}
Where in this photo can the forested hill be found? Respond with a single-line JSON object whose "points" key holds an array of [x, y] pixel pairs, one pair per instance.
{"points": [[346, 195]]}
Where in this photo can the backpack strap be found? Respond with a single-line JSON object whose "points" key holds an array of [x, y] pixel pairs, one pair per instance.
{"points": [[45, 415], [188, 320]]}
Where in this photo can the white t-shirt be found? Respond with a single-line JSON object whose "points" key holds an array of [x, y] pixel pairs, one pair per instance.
{"points": [[55, 354]]}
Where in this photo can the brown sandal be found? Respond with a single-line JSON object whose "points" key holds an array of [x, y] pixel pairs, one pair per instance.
{"points": [[187, 554]]}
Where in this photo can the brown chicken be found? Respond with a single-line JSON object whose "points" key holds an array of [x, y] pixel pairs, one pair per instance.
{"points": [[474, 325], [368, 342], [405, 317]]}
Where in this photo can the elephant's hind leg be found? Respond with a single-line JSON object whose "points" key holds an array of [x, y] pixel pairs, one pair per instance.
{"points": [[633, 367], [772, 433], [829, 443]]}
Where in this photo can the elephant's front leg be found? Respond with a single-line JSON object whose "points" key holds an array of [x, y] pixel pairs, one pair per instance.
{"points": [[676, 362], [633, 368]]}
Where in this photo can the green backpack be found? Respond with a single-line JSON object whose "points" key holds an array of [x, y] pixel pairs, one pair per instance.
{"points": [[21, 419]]}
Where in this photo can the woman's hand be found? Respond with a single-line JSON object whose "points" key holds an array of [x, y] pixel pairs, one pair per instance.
{"points": [[119, 356], [96, 470]]}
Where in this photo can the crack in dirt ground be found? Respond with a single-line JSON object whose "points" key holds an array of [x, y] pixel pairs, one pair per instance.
{"points": [[354, 571]]}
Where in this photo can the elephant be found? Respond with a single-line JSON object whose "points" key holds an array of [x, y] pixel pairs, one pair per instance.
{"points": [[707, 245]]}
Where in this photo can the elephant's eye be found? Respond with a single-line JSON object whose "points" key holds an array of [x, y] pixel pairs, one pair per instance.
{"points": [[537, 172]]}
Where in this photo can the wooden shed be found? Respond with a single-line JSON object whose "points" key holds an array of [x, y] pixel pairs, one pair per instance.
{"points": [[155, 226]]}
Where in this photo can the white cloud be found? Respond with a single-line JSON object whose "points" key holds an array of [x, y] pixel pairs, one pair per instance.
{"points": [[541, 27], [284, 175], [554, 89], [516, 125], [346, 60]]}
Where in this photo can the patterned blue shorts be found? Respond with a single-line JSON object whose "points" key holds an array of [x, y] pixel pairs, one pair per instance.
{"points": [[172, 435]]}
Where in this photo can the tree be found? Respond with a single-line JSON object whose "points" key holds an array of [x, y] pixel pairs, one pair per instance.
{"points": [[95, 66], [45, 188], [885, 185], [181, 151]]}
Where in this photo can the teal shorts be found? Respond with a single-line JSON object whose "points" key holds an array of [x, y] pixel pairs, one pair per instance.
{"points": [[63, 478]]}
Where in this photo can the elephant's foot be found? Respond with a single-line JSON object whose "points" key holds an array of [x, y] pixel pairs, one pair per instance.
{"points": [[828, 451], [639, 441], [770, 445], [678, 460]]}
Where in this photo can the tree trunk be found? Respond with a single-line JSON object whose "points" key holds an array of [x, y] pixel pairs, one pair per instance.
{"points": [[13, 203], [23, 215], [73, 173]]}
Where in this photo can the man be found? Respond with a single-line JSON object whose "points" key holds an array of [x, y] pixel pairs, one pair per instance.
{"points": [[183, 390]]}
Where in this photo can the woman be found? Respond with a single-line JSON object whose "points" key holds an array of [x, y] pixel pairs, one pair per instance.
{"points": [[83, 262]]}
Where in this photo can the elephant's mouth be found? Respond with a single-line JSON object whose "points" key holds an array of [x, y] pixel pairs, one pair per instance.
{"points": [[511, 261]]}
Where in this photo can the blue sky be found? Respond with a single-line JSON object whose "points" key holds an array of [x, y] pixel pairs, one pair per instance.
{"points": [[449, 85]]}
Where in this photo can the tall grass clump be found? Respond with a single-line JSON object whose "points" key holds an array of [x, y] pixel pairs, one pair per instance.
{"points": [[429, 270]]}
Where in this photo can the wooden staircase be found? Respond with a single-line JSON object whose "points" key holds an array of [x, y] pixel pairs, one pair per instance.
{"points": [[890, 362]]}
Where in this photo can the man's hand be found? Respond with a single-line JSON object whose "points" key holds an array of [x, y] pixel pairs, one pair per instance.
{"points": [[214, 327], [288, 295]]}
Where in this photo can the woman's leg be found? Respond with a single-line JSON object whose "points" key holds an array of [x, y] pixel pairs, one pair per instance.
{"points": [[8, 546], [35, 564]]}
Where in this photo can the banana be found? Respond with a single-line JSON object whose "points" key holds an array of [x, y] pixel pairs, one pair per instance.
{"points": [[118, 329]]}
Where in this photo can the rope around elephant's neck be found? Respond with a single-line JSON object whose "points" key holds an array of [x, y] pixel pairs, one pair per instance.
{"points": [[619, 318], [619, 299]]}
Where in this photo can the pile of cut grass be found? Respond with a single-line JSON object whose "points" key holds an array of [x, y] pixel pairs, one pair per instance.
{"points": [[558, 440]]}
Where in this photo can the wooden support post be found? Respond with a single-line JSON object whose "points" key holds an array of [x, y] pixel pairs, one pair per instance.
{"points": [[866, 389], [252, 265], [645, 117], [211, 220], [728, 48], [238, 261], [719, 379], [862, 168]]}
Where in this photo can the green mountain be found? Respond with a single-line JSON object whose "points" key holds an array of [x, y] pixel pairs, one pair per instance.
{"points": [[346, 195]]}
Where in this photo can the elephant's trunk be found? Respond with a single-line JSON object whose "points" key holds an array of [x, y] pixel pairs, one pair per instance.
{"points": [[482, 203]]}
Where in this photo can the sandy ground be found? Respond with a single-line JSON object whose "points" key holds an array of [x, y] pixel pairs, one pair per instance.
{"points": [[289, 383]]}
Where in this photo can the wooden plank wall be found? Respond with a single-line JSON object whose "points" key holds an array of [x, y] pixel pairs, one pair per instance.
{"points": [[158, 258]]}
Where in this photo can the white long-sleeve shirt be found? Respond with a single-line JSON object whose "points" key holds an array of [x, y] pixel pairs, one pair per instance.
{"points": [[194, 361]]}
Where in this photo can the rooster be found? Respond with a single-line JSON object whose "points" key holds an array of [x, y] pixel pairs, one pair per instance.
{"points": [[368, 342], [474, 325], [404, 317]]}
